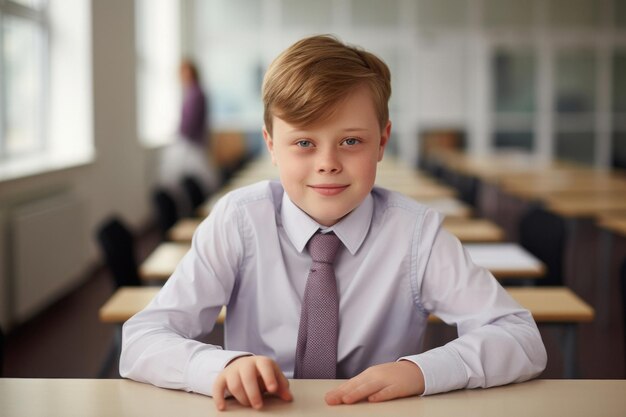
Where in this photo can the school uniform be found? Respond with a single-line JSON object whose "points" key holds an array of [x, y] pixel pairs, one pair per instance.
{"points": [[395, 267]]}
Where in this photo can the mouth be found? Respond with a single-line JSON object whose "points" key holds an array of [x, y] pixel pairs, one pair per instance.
{"points": [[328, 189]]}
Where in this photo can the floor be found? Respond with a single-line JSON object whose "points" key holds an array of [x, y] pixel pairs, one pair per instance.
{"points": [[68, 341]]}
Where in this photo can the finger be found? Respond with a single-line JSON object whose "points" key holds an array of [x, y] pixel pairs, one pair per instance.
{"points": [[353, 391], [251, 386], [361, 391], [283, 391], [268, 375], [235, 386], [219, 386], [335, 396], [389, 392]]}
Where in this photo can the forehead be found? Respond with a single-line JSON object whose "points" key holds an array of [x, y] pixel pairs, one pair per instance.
{"points": [[354, 112]]}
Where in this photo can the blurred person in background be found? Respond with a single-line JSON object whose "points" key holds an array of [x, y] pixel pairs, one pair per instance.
{"points": [[188, 155]]}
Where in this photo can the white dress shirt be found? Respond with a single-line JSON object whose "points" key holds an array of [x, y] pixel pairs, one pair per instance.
{"points": [[397, 266]]}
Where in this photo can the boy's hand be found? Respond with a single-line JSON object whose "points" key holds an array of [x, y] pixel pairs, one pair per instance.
{"points": [[380, 383], [247, 378]]}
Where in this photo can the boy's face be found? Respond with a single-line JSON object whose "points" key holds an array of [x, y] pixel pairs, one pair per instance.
{"points": [[328, 169]]}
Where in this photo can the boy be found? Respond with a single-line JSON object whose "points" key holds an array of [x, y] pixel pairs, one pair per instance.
{"points": [[294, 311]]}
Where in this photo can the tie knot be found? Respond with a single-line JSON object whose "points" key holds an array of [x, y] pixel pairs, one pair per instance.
{"points": [[323, 247]]}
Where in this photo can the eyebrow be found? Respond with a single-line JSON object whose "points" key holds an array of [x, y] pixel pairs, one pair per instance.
{"points": [[346, 130]]}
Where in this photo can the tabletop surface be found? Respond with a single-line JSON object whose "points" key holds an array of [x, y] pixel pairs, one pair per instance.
{"points": [[506, 260], [474, 230], [615, 223], [123, 398], [467, 230], [546, 304]]}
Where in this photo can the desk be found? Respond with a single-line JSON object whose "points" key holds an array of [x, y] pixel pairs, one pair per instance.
{"points": [[474, 230], [125, 398], [503, 260], [183, 229], [506, 260], [548, 305], [610, 225], [466, 230], [127, 301], [449, 207], [162, 262], [583, 206]]}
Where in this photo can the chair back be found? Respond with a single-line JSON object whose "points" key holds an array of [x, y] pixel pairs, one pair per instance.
{"points": [[2, 341], [544, 235], [194, 191], [117, 245], [166, 210], [622, 280]]}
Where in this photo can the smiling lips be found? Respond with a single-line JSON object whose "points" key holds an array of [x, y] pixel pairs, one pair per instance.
{"points": [[329, 189]]}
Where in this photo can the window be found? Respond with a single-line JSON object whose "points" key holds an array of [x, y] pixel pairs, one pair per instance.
{"points": [[23, 35], [158, 57]]}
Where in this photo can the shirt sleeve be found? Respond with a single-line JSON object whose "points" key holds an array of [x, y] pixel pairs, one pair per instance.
{"points": [[159, 344], [498, 342]]}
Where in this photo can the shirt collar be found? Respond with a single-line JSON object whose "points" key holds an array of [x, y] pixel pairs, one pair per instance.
{"points": [[351, 230]]}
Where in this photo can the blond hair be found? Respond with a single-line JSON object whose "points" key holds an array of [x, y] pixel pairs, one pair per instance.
{"points": [[307, 80]]}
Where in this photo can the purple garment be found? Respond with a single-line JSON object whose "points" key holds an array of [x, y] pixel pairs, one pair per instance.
{"points": [[193, 118]]}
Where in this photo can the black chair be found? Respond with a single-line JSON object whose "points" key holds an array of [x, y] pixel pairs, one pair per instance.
{"points": [[118, 247], [194, 191], [166, 210], [544, 235], [622, 278], [1, 352]]}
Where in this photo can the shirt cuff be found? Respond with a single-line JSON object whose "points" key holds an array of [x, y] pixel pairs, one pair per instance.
{"points": [[443, 370], [206, 365]]}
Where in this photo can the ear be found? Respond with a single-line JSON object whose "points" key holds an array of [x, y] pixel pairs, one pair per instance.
{"points": [[384, 137], [269, 143]]}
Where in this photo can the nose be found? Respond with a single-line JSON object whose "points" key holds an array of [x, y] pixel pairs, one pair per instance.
{"points": [[328, 162]]}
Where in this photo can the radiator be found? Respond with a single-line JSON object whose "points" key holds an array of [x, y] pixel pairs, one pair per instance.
{"points": [[47, 250]]}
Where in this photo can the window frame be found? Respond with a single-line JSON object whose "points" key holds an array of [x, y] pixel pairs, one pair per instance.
{"points": [[38, 17]]}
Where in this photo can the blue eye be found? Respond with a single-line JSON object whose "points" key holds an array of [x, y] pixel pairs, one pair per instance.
{"points": [[304, 143], [351, 141]]}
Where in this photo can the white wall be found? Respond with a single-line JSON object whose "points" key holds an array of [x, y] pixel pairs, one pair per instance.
{"points": [[120, 177]]}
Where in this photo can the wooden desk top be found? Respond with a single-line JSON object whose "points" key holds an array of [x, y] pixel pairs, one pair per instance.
{"points": [[184, 229], [584, 206], [127, 301], [506, 260], [449, 207], [162, 262], [546, 304], [474, 230], [21, 397], [467, 230], [553, 304], [615, 223]]}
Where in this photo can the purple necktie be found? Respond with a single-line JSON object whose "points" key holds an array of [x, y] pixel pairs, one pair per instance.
{"points": [[316, 353]]}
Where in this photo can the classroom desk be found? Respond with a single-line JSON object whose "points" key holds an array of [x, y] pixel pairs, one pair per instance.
{"points": [[474, 230], [183, 229], [548, 305], [503, 260], [449, 207], [160, 264], [466, 230], [578, 206], [546, 190], [124, 398], [506, 260], [127, 301], [611, 225]]}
